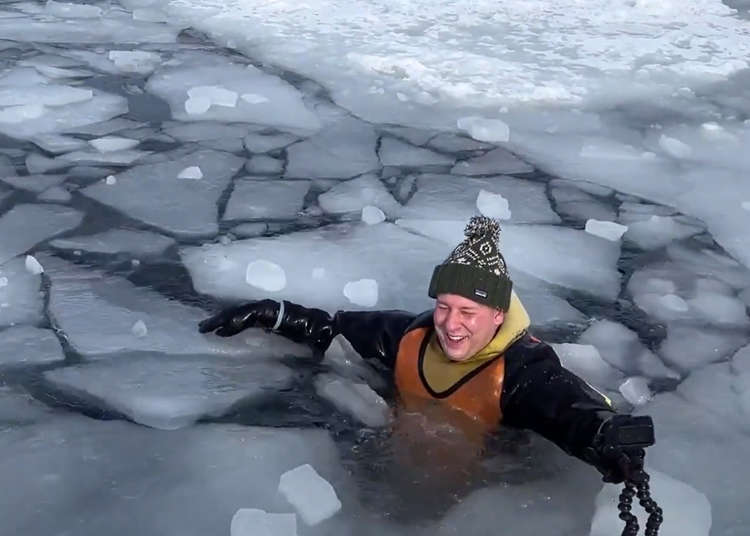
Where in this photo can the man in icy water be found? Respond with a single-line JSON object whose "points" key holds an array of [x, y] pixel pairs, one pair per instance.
{"points": [[473, 353]]}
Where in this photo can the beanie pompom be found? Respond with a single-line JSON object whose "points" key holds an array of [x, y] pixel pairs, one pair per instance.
{"points": [[480, 226]]}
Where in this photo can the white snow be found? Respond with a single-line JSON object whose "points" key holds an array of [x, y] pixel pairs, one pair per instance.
{"points": [[362, 292], [608, 230], [139, 329], [110, 180], [190, 172], [372, 215], [114, 241], [20, 299], [353, 398], [311, 495], [265, 275], [354, 195], [493, 205], [254, 522], [259, 200], [134, 61], [27, 345], [32, 265], [170, 392], [484, 129]]}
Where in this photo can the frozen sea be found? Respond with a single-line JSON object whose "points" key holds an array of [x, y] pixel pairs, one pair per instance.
{"points": [[162, 159]]}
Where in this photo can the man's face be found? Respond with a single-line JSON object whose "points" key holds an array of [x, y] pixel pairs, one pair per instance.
{"points": [[464, 326]]}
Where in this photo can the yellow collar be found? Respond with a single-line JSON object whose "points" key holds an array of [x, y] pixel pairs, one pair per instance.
{"points": [[441, 373]]}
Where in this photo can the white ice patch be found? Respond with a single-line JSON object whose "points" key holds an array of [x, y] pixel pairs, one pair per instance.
{"points": [[190, 172], [493, 205], [636, 391], [110, 180], [265, 275], [448, 197], [746, 205], [170, 392], [622, 349], [495, 162], [485, 129], [363, 292], [254, 98], [254, 522], [346, 253], [285, 109], [372, 215], [115, 241], [56, 143], [139, 329], [264, 143], [608, 230], [66, 10], [687, 511], [24, 226], [658, 231], [21, 301], [573, 199], [113, 143], [355, 194], [12, 115], [586, 362], [80, 298], [393, 152], [38, 97], [355, 399], [674, 147], [687, 348], [134, 61], [451, 143], [311, 495], [339, 151], [260, 200], [141, 192], [32, 265], [27, 345], [120, 158]]}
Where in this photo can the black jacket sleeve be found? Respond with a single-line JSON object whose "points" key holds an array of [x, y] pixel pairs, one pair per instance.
{"points": [[539, 394], [374, 334]]}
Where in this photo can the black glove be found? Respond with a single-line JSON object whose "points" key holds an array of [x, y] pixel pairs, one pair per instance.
{"points": [[617, 449], [313, 327]]}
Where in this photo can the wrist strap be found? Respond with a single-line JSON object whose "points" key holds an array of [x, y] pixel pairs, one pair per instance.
{"points": [[280, 317]]}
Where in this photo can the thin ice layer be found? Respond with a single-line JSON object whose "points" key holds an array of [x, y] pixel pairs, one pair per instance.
{"points": [[354, 195], [495, 162], [169, 392], [24, 226], [345, 252], [19, 408], [261, 200], [81, 298], [153, 193], [136, 243], [263, 98], [21, 301], [34, 183], [355, 399], [455, 198], [393, 152], [27, 345]]}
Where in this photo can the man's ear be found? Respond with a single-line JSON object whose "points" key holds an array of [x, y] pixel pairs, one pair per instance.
{"points": [[498, 317]]}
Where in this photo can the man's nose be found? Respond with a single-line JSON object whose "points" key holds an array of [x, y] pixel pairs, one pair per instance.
{"points": [[452, 320]]}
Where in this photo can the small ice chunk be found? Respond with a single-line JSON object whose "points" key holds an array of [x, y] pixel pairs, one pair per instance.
{"points": [[109, 144], [746, 205], [608, 230], [254, 522], [372, 215], [254, 98], [586, 361], [635, 390], [674, 303], [311, 495], [355, 194], [72, 11], [493, 205], [191, 172], [139, 328], [484, 129], [675, 147], [216, 95], [265, 275], [111, 179], [3, 281], [134, 61], [355, 399], [33, 266], [362, 292], [318, 272], [197, 106]]}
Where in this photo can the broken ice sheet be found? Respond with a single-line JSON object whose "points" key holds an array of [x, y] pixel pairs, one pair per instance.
{"points": [[28, 345], [169, 392], [261, 200], [355, 399], [136, 243], [24, 226]]}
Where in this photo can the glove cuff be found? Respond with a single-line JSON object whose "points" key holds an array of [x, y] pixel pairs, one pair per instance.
{"points": [[280, 316]]}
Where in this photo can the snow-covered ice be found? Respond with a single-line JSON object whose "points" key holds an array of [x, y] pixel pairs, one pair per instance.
{"points": [[493, 205]]}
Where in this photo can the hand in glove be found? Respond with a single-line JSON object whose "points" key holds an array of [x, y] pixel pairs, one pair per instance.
{"points": [[617, 450], [313, 327], [232, 320]]}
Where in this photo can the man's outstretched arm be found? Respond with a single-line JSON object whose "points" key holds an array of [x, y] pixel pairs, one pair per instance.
{"points": [[373, 334]]}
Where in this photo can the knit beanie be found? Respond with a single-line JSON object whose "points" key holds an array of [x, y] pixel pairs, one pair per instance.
{"points": [[475, 269]]}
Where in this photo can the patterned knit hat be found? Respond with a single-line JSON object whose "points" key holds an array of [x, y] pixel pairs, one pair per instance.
{"points": [[475, 269]]}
